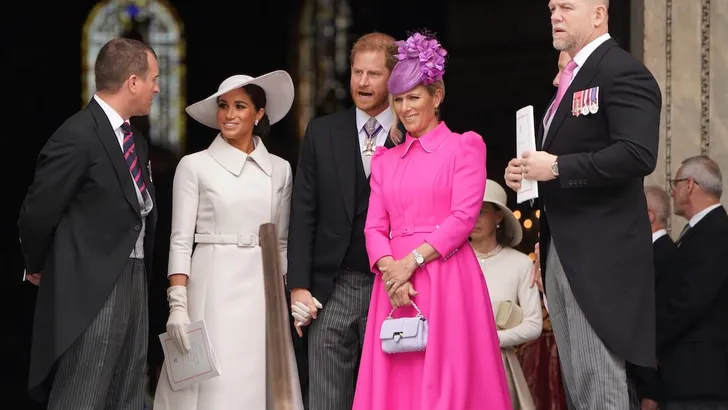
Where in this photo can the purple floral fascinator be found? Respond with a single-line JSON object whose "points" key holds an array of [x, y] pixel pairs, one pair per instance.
{"points": [[421, 61]]}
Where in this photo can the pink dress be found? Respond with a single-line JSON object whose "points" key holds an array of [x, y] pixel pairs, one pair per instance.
{"points": [[430, 189]]}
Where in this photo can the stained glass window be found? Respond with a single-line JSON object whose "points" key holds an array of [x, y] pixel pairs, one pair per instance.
{"points": [[157, 24]]}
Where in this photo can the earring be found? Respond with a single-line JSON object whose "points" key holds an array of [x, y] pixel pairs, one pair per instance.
{"points": [[497, 226], [256, 122], [437, 110]]}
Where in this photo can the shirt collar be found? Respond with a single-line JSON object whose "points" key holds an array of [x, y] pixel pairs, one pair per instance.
{"points": [[114, 117], [234, 160], [385, 119], [658, 234], [429, 142], [700, 215], [583, 54]]}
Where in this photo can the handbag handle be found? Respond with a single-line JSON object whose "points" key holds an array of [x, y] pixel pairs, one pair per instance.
{"points": [[419, 313]]}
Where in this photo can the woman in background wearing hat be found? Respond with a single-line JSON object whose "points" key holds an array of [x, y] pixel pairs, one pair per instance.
{"points": [[221, 197], [516, 305]]}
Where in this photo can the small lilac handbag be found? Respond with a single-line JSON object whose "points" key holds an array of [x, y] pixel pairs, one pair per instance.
{"points": [[406, 334]]}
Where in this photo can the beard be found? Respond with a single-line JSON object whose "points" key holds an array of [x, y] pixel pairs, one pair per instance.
{"points": [[563, 45]]}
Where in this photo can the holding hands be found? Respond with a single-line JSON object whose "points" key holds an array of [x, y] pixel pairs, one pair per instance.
{"points": [[304, 308]]}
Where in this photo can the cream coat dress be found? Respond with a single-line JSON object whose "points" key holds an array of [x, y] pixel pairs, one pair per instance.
{"points": [[223, 191], [508, 275]]}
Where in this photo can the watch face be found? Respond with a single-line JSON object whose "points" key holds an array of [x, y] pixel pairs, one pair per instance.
{"points": [[420, 259]]}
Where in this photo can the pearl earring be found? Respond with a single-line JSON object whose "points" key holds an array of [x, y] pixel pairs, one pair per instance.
{"points": [[256, 122]]}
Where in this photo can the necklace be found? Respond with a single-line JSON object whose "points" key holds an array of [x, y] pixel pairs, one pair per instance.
{"points": [[483, 256]]}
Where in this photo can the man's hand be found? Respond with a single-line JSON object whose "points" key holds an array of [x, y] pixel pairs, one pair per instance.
{"points": [[648, 404], [514, 174], [304, 307], [403, 296], [34, 278], [537, 165], [536, 278]]}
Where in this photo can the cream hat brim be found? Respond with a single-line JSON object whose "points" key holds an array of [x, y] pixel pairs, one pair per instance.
{"points": [[496, 195], [279, 92]]}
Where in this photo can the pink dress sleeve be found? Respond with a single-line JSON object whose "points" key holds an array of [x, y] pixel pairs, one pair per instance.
{"points": [[468, 186], [376, 230]]}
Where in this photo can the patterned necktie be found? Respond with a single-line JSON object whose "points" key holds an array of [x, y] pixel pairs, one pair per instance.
{"points": [[131, 158], [564, 82], [371, 129]]}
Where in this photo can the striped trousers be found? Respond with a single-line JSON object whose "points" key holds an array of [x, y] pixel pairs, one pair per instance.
{"points": [[104, 369], [594, 377], [335, 341]]}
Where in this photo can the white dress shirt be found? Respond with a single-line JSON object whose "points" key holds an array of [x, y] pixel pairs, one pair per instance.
{"points": [[145, 202], [580, 58], [385, 119]]}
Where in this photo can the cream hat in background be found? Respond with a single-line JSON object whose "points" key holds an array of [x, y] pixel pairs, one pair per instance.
{"points": [[278, 87], [496, 195]]}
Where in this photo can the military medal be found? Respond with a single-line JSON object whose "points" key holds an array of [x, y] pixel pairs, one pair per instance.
{"points": [[578, 104], [370, 141], [594, 105], [369, 147], [585, 102]]}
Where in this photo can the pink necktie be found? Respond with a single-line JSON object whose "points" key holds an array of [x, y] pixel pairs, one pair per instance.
{"points": [[564, 82]]}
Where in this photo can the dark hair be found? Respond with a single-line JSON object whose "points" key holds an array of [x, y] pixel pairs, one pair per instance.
{"points": [[500, 231], [257, 96], [117, 60]]}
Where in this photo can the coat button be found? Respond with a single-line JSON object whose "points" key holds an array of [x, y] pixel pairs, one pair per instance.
{"points": [[137, 227]]}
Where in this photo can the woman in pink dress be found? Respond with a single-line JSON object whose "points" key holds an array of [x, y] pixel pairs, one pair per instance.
{"points": [[426, 196]]}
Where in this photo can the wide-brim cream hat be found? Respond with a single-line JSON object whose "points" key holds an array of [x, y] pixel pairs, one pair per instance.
{"points": [[278, 87], [496, 195]]}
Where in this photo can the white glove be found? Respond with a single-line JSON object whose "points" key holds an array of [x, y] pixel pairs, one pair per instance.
{"points": [[302, 313], [178, 317]]}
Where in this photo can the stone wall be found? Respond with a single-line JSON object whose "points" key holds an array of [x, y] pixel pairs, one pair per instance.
{"points": [[683, 43]]}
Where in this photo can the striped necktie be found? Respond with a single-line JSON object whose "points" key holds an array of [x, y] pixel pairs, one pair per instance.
{"points": [[131, 158]]}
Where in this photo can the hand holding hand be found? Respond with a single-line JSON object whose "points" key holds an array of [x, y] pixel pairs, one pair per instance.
{"points": [[403, 295], [537, 165], [304, 308], [178, 317], [398, 273]]}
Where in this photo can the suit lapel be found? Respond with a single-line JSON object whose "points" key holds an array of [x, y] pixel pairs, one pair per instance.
{"points": [[344, 144], [111, 145], [583, 78]]}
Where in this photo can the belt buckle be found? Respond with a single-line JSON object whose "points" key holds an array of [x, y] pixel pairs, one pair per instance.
{"points": [[407, 231], [246, 240]]}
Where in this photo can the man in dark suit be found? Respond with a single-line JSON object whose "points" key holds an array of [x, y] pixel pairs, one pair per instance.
{"points": [[646, 380], [692, 298], [328, 267], [598, 140], [87, 229]]}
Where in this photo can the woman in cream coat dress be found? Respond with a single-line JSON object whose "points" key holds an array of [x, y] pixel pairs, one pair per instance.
{"points": [[221, 197], [516, 304]]}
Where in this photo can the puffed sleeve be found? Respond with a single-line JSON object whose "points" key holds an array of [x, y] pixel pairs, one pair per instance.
{"points": [[185, 199], [284, 215], [468, 186], [376, 230]]}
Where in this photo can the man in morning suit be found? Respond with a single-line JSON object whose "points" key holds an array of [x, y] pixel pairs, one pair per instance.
{"points": [[646, 381], [598, 140], [328, 267], [692, 298], [87, 229]]}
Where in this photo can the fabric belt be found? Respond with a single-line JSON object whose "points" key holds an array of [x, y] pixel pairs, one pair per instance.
{"points": [[411, 230], [243, 240]]}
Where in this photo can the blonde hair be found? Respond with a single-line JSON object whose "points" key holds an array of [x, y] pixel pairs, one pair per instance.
{"points": [[376, 42], [394, 133]]}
